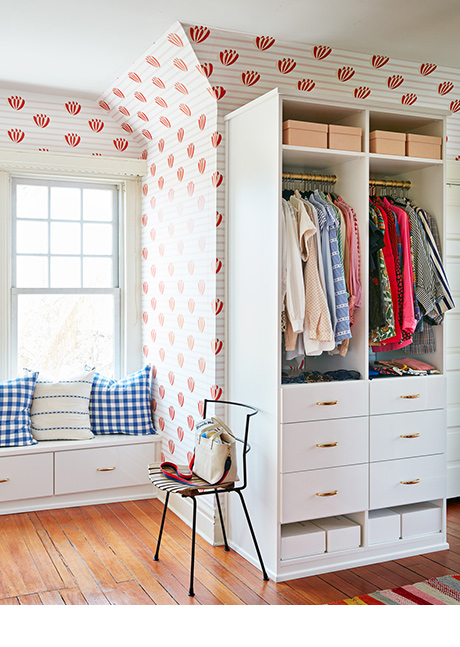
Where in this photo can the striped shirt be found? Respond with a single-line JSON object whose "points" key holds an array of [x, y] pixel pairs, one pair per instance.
{"points": [[444, 300], [328, 225], [425, 279]]}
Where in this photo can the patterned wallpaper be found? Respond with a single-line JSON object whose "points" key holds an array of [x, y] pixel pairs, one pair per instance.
{"points": [[166, 98], [241, 67], [177, 95], [31, 121], [169, 107]]}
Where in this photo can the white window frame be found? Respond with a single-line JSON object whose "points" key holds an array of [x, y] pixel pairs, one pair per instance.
{"points": [[126, 174]]}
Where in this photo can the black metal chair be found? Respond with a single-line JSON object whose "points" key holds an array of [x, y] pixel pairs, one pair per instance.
{"points": [[197, 487]]}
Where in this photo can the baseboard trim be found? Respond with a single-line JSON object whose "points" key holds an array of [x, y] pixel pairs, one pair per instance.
{"points": [[115, 495]]}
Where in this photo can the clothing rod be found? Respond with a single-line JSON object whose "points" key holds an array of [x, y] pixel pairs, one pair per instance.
{"points": [[402, 184], [332, 179], [312, 177]]}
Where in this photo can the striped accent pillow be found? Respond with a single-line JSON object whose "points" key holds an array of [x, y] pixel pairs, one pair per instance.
{"points": [[60, 410], [15, 400], [123, 406]]}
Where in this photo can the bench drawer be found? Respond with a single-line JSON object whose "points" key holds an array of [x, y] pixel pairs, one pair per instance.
{"points": [[26, 477], [84, 470], [323, 493]]}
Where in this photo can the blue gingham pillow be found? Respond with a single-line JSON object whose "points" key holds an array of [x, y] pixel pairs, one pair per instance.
{"points": [[15, 400], [123, 406]]}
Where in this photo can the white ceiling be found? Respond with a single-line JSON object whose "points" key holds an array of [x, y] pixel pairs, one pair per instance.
{"points": [[80, 47]]}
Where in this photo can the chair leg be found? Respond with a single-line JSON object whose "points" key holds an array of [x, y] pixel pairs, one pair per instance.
{"points": [[192, 564], [161, 527], [222, 522], [264, 572]]}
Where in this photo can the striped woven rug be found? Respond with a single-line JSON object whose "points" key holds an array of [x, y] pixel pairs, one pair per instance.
{"points": [[437, 590]]}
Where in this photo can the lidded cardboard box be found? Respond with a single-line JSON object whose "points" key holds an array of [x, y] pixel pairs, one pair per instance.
{"points": [[423, 146], [384, 142], [384, 525], [302, 539], [341, 533], [345, 138], [304, 133], [419, 519]]}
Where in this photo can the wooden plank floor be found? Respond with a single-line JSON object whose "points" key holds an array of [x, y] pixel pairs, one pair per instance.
{"points": [[103, 554]]}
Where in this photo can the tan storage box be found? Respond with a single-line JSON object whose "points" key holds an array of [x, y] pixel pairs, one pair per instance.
{"points": [[345, 138], [302, 539], [423, 146], [341, 533], [304, 133], [384, 142]]}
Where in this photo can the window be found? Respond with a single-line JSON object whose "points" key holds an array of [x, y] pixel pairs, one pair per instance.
{"points": [[65, 276]]}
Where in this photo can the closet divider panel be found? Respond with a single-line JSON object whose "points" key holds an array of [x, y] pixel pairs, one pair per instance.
{"points": [[254, 311], [453, 330]]}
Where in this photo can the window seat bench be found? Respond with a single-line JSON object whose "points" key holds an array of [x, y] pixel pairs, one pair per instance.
{"points": [[63, 473]]}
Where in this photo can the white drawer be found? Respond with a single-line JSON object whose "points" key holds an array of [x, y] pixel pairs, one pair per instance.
{"points": [[408, 480], [324, 400], [401, 394], [25, 477], [343, 489], [404, 435], [324, 443], [84, 470]]}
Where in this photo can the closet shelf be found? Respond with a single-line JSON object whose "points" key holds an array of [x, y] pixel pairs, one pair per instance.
{"points": [[394, 164], [298, 157]]}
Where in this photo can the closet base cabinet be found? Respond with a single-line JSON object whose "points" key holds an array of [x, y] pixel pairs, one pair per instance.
{"points": [[337, 469]]}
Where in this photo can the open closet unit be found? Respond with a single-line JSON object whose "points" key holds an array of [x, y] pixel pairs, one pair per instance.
{"points": [[347, 467]]}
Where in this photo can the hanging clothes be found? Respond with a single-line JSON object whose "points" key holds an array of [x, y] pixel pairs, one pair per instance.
{"points": [[320, 236], [293, 283], [317, 332], [420, 292], [329, 225]]}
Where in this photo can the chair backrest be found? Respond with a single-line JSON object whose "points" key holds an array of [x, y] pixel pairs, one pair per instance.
{"points": [[246, 446]]}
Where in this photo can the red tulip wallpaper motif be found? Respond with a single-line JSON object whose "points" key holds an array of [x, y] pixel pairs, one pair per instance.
{"points": [[182, 260], [32, 121], [169, 108]]}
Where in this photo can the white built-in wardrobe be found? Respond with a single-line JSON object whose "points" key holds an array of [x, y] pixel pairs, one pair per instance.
{"points": [[325, 450]]}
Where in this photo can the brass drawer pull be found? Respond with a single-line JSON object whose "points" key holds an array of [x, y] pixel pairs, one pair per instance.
{"points": [[410, 482], [327, 444], [327, 404], [410, 397], [106, 469], [327, 493], [4, 480], [411, 436]]}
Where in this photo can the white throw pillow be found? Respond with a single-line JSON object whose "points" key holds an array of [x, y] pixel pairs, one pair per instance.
{"points": [[60, 409]]}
